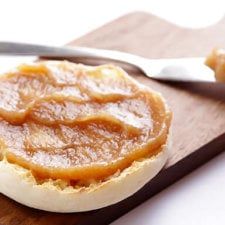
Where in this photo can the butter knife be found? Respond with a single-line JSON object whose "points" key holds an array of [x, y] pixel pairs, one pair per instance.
{"points": [[169, 69]]}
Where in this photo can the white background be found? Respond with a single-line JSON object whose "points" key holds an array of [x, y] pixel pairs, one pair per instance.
{"points": [[200, 197]]}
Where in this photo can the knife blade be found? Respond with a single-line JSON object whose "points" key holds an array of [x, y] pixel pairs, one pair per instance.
{"points": [[176, 69]]}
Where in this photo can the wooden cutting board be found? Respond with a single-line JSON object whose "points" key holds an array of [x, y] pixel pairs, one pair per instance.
{"points": [[198, 126]]}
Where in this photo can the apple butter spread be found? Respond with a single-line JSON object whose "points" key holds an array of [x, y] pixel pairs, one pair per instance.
{"points": [[216, 61], [69, 121]]}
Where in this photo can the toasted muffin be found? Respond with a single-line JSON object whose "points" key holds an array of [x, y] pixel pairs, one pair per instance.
{"points": [[77, 138]]}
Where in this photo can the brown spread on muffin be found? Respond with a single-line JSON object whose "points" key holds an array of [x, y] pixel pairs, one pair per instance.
{"points": [[67, 121]]}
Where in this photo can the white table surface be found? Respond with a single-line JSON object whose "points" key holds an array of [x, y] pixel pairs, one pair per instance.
{"points": [[199, 198]]}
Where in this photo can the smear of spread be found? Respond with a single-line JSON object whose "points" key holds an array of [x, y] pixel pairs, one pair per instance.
{"points": [[69, 121]]}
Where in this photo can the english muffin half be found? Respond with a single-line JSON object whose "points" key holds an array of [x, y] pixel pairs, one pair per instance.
{"points": [[77, 138]]}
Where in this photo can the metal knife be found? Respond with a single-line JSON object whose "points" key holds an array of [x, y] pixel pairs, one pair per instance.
{"points": [[176, 69]]}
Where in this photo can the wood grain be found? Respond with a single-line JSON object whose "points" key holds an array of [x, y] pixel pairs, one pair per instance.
{"points": [[198, 125]]}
